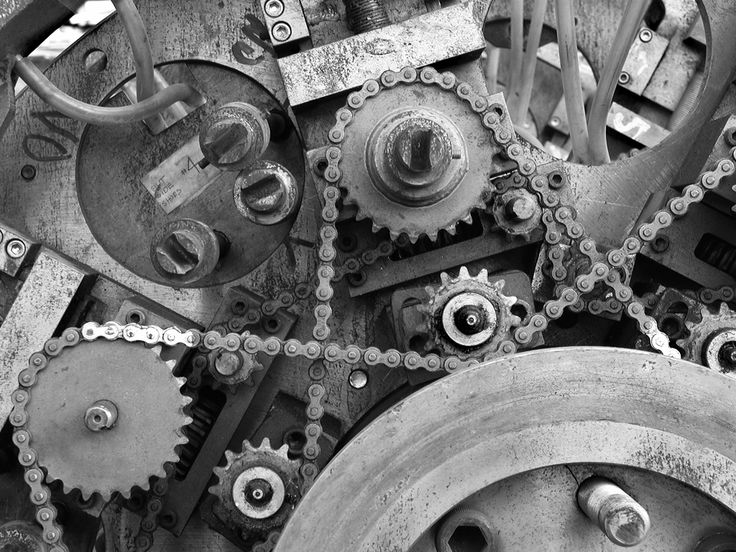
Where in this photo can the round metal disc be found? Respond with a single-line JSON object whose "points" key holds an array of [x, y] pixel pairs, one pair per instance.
{"points": [[510, 416], [144, 436]]}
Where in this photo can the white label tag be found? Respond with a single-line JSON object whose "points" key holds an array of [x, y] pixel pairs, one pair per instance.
{"points": [[180, 178]]}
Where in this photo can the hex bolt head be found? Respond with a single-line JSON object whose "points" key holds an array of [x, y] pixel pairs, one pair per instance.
{"points": [[464, 530], [15, 248], [520, 208], [186, 251], [624, 521], [273, 8], [227, 363], [645, 35], [234, 136], [624, 78], [281, 31], [266, 193], [102, 415]]}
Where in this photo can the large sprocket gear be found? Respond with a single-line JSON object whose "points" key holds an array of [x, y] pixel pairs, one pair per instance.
{"points": [[415, 159], [469, 316], [256, 492], [73, 442], [712, 341]]}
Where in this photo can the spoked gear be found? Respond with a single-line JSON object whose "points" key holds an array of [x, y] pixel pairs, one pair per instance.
{"points": [[106, 416], [712, 341], [416, 160], [256, 492], [469, 316]]}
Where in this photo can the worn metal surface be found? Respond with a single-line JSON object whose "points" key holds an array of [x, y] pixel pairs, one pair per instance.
{"points": [[543, 408], [184, 492], [633, 126], [48, 291], [644, 56], [339, 66], [47, 206], [546, 497]]}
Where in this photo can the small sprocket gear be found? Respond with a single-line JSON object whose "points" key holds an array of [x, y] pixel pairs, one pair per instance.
{"points": [[712, 341], [469, 316], [106, 416], [257, 490]]}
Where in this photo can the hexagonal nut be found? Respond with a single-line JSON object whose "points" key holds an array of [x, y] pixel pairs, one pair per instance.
{"points": [[465, 530]]}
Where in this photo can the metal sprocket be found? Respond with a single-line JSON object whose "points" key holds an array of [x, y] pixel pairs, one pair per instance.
{"points": [[276, 477], [145, 435], [477, 289]]}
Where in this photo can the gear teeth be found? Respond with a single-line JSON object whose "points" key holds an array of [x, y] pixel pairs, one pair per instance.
{"points": [[444, 278], [359, 215], [156, 349], [431, 235], [723, 309], [265, 444], [483, 276], [452, 229], [375, 228], [229, 456], [464, 272], [283, 451], [170, 364]]}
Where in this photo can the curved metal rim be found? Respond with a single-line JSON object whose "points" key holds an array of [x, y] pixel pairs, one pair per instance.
{"points": [[508, 416]]}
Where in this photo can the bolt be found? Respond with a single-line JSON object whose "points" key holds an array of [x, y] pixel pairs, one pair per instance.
{"points": [[274, 8], [258, 492], [470, 319], [227, 363], [520, 208], [366, 15], [266, 193], [15, 248], [234, 136], [28, 172], [186, 251], [281, 31], [624, 78], [358, 379], [624, 521], [465, 530], [420, 152], [645, 35], [555, 121], [102, 415], [414, 149], [727, 355]]}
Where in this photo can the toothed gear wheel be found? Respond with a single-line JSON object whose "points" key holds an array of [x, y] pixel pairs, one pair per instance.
{"points": [[257, 490], [67, 412], [712, 341], [416, 159], [469, 316]]}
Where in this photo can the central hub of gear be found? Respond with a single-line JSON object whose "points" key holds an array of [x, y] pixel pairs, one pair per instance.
{"points": [[469, 316], [413, 153], [416, 156], [469, 319], [119, 441]]}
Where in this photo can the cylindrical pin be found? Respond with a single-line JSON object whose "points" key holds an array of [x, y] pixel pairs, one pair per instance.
{"points": [[624, 521]]}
